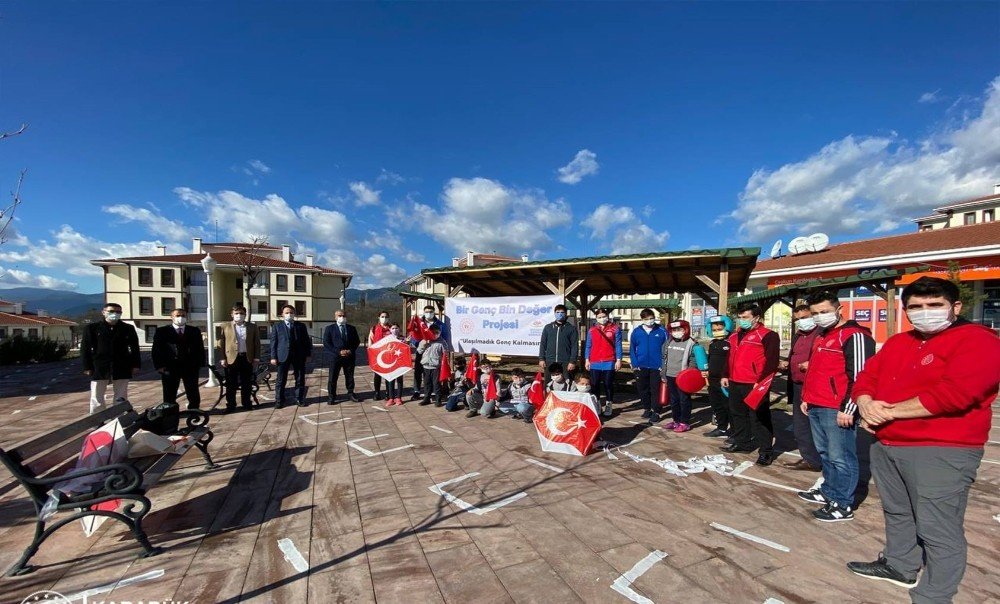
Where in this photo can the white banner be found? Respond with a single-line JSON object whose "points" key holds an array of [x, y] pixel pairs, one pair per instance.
{"points": [[504, 325]]}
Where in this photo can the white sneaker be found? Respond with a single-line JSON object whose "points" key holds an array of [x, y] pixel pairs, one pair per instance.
{"points": [[607, 409]]}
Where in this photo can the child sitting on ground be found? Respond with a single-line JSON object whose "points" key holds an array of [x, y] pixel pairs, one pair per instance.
{"points": [[516, 402], [462, 386], [558, 381], [583, 385], [483, 397]]}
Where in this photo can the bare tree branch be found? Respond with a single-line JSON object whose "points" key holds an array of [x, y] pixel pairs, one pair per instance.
{"points": [[4, 135], [7, 213], [250, 261]]}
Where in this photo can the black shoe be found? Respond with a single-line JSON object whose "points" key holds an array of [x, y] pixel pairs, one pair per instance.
{"points": [[331, 402], [279, 405], [654, 418], [645, 415], [302, 404], [764, 459], [730, 440], [881, 570], [353, 398], [416, 395], [472, 413], [801, 464], [813, 496], [734, 448], [832, 512], [716, 433], [438, 403], [378, 395], [228, 410], [424, 402]]}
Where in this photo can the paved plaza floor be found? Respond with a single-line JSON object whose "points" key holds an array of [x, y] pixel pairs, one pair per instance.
{"points": [[357, 503]]}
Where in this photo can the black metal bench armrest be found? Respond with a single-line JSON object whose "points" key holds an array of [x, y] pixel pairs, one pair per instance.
{"points": [[124, 478], [195, 418]]}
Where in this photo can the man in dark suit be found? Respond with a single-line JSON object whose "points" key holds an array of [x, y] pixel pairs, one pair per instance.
{"points": [[291, 347], [110, 353], [179, 354], [341, 341]]}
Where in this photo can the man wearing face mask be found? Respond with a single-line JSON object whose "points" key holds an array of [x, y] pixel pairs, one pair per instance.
{"points": [[239, 352], [341, 341], [109, 350], [179, 354], [560, 344], [291, 347], [419, 330], [646, 355], [378, 331], [927, 395], [839, 354], [796, 367]]}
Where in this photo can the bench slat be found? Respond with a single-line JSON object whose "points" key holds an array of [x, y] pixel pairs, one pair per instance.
{"points": [[25, 450]]}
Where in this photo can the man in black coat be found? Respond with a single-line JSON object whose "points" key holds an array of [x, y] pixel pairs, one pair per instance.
{"points": [[110, 352], [560, 343], [341, 341], [291, 347], [179, 354]]}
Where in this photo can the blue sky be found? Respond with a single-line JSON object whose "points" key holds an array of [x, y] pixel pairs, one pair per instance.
{"points": [[387, 138]]}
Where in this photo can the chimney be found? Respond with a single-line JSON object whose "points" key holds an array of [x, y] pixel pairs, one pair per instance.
{"points": [[996, 189], [524, 257], [310, 260], [455, 261], [196, 245], [41, 313], [161, 250], [286, 253], [470, 258]]}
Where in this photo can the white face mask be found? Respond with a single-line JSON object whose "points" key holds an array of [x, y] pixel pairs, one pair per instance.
{"points": [[648, 322], [113, 316], [239, 318], [428, 316], [487, 370], [394, 331], [931, 320], [580, 388], [826, 319], [341, 320], [180, 321], [677, 334], [518, 381], [383, 320], [602, 320], [557, 379], [806, 324], [288, 318]]}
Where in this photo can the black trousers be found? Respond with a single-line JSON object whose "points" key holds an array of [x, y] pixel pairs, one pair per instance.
{"points": [[171, 381], [239, 375], [418, 372], [752, 429], [647, 382], [432, 383], [299, 371], [719, 402], [377, 382], [345, 364]]}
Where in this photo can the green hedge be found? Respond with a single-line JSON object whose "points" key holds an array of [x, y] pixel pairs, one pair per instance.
{"points": [[20, 350]]}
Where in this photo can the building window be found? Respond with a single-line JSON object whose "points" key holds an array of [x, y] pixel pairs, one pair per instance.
{"points": [[145, 277], [300, 283], [300, 307], [262, 307], [281, 283], [33, 333], [281, 305], [970, 218], [166, 277], [988, 215], [167, 305], [18, 332], [145, 305], [3, 333], [150, 332], [199, 278]]}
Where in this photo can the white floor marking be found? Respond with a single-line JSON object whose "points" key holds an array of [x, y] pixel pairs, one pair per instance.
{"points": [[743, 467], [353, 444], [749, 537], [320, 413], [310, 420], [792, 453], [623, 584], [773, 601], [103, 589], [468, 507], [997, 517], [377, 408], [292, 555], [544, 465], [991, 461], [442, 430], [16, 411], [992, 442], [31, 398], [767, 482], [695, 465]]}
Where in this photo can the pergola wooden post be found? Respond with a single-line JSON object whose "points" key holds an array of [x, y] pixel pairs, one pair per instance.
{"points": [[887, 292]]}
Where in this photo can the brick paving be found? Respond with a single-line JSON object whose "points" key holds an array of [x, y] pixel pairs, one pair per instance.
{"points": [[368, 526]]}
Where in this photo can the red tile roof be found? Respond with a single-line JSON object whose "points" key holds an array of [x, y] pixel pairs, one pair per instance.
{"points": [[958, 204], [33, 320], [911, 243], [229, 259]]}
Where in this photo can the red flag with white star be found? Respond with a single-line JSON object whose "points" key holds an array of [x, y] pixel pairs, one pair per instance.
{"points": [[390, 357], [567, 423]]}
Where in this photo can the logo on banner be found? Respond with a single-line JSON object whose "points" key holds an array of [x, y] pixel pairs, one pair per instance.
{"points": [[567, 423], [467, 326], [390, 358]]}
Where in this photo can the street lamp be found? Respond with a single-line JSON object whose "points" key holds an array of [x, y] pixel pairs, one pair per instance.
{"points": [[208, 263]]}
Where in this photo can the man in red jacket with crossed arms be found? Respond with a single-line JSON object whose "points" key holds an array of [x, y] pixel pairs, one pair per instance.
{"points": [[927, 395]]}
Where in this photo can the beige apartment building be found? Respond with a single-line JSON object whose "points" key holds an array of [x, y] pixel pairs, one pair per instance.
{"points": [[150, 287], [16, 321], [963, 213]]}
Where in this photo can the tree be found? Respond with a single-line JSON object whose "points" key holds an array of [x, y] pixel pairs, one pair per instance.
{"points": [[7, 213], [251, 263], [966, 293]]}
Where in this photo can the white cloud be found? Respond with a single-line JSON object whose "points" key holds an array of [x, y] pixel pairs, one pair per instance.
{"points": [[875, 182], [584, 164], [930, 97], [371, 272], [259, 166], [630, 235], [483, 215], [364, 195], [391, 241], [390, 178], [71, 251], [154, 222], [18, 278]]}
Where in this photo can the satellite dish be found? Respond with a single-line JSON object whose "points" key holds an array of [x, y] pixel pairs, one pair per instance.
{"points": [[797, 246], [817, 242], [776, 250]]}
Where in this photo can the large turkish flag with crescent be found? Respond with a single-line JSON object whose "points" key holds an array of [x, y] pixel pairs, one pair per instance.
{"points": [[567, 423], [390, 358]]}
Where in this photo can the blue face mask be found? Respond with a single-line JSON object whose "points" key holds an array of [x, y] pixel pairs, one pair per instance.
{"points": [[746, 323], [560, 316]]}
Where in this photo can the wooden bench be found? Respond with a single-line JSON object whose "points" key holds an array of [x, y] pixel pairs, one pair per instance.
{"points": [[43, 461]]}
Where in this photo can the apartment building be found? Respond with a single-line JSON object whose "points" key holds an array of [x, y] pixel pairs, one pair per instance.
{"points": [[16, 321], [150, 287], [963, 213]]}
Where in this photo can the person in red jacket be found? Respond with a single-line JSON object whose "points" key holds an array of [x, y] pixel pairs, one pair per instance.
{"points": [[796, 366], [753, 360], [838, 356], [927, 396], [376, 333]]}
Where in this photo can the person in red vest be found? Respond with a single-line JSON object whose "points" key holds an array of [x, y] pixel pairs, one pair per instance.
{"points": [[753, 360], [798, 362], [840, 352], [376, 333], [927, 395], [603, 352]]}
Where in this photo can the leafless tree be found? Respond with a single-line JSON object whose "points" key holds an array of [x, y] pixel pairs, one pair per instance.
{"points": [[251, 263], [7, 212]]}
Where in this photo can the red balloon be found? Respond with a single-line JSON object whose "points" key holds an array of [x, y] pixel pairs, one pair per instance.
{"points": [[690, 380]]}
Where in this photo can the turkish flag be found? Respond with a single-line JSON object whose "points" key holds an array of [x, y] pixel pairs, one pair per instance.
{"points": [[536, 394], [491, 389], [567, 423], [445, 375], [760, 391], [390, 358], [472, 371]]}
